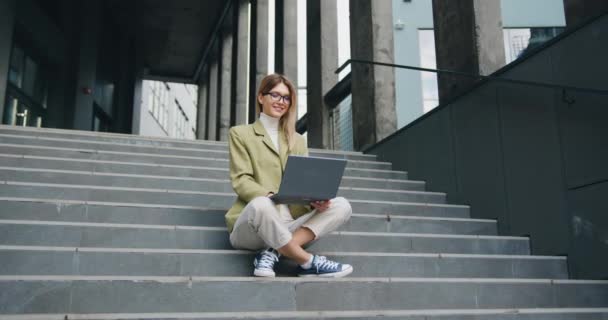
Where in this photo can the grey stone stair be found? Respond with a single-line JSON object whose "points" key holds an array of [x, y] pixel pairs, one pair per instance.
{"points": [[217, 200], [208, 185], [89, 162], [208, 158], [28, 260], [110, 226], [80, 212], [449, 314], [97, 294], [98, 138], [495, 314], [73, 234], [44, 167]]}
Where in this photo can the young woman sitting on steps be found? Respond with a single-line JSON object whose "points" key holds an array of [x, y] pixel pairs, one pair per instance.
{"points": [[258, 153]]}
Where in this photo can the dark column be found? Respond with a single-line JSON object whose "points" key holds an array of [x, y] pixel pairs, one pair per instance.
{"points": [[322, 61], [468, 38], [7, 26], [226, 86], [202, 103], [87, 65], [214, 99], [578, 11], [373, 87], [242, 64], [261, 48], [289, 58], [138, 83]]}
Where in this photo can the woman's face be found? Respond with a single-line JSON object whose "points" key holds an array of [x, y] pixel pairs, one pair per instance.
{"points": [[276, 101]]}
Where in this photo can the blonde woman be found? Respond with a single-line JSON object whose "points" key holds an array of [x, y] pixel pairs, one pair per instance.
{"points": [[258, 153]]}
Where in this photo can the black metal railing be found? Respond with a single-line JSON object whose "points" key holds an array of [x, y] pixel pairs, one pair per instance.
{"points": [[564, 88]]}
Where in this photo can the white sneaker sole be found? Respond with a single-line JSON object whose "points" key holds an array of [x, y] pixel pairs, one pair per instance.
{"points": [[340, 274], [264, 273]]}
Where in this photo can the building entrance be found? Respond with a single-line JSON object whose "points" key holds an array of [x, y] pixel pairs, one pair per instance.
{"points": [[26, 91]]}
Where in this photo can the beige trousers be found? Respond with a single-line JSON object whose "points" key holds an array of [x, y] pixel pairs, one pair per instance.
{"points": [[262, 224]]}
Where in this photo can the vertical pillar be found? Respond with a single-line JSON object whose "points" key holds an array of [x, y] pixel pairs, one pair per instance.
{"points": [[261, 48], [290, 41], [7, 26], [87, 65], [138, 83], [468, 38], [373, 87], [242, 63], [578, 11], [202, 104], [226, 86], [322, 61], [213, 100]]}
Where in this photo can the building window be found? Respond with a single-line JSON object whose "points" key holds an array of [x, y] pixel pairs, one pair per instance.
{"points": [[430, 92], [158, 101], [342, 125], [181, 122], [26, 91], [519, 41]]}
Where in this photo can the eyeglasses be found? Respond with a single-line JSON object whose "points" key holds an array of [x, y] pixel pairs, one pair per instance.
{"points": [[277, 97]]}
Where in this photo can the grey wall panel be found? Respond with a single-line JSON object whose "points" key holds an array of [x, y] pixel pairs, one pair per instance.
{"points": [[478, 154], [581, 61], [532, 157], [526, 155], [589, 253], [426, 151]]}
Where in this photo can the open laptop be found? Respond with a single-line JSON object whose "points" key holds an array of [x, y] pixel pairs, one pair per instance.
{"points": [[308, 179]]}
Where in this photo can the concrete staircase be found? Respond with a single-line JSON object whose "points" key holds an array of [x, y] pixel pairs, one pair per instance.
{"points": [[107, 226]]}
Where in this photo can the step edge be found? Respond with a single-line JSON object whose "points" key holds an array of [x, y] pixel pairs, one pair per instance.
{"points": [[303, 314], [193, 279], [245, 252]]}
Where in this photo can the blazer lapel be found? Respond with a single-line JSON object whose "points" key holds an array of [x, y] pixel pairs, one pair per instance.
{"points": [[258, 127], [283, 149]]}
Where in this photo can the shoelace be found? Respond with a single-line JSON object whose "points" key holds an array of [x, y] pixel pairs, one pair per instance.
{"points": [[267, 260], [323, 262]]}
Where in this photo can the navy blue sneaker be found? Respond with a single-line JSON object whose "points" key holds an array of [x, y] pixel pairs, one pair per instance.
{"points": [[323, 267], [264, 263]]}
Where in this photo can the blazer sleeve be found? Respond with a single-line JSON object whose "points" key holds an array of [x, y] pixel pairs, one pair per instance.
{"points": [[241, 170]]}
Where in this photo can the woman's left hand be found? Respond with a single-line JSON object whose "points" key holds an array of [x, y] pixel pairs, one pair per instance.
{"points": [[320, 206]]}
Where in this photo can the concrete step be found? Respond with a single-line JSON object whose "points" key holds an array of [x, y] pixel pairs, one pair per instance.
{"points": [[195, 150], [202, 185], [208, 158], [74, 234], [459, 314], [31, 260], [82, 212], [215, 200], [96, 138], [165, 182], [90, 162], [112, 294]]}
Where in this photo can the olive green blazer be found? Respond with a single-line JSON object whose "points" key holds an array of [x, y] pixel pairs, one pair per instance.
{"points": [[256, 167]]}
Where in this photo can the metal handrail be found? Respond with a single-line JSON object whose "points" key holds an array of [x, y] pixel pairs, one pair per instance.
{"points": [[476, 76]]}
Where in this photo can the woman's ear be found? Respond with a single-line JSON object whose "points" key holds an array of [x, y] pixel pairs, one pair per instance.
{"points": [[260, 98]]}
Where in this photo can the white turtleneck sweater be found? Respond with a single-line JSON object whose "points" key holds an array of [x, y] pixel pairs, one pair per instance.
{"points": [[272, 127]]}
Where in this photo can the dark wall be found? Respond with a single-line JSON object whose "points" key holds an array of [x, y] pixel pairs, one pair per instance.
{"points": [[528, 156], [58, 35]]}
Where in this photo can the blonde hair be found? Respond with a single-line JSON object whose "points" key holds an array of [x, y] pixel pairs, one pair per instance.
{"points": [[287, 123]]}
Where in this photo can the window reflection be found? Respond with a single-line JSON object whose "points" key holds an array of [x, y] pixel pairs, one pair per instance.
{"points": [[518, 42]]}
